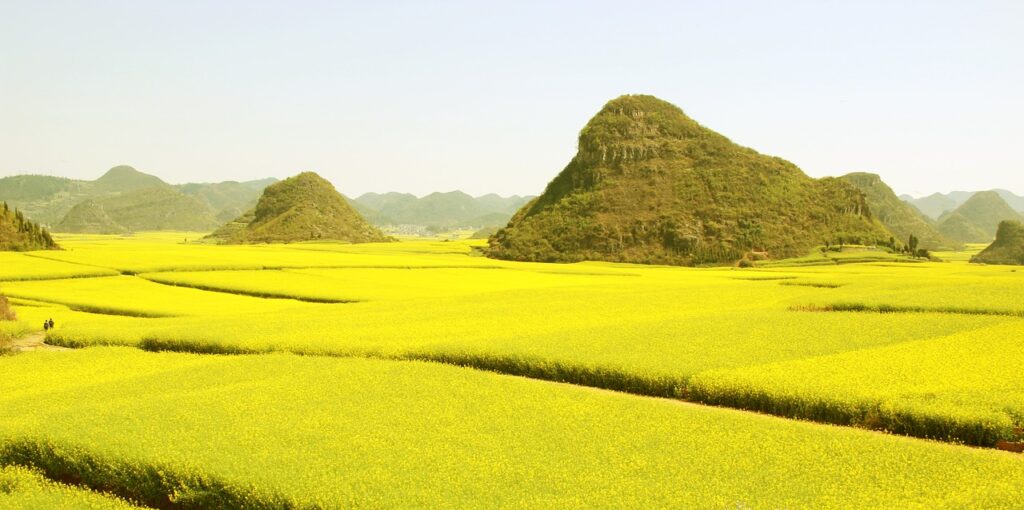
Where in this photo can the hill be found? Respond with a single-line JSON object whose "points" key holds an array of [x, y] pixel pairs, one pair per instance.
{"points": [[48, 200], [20, 234], [937, 204], [301, 208], [933, 205], [445, 210], [977, 219], [158, 208], [648, 184], [89, 217], [229, 199], [123, 178], [1008, 247], [902, 219], [43, 198]]}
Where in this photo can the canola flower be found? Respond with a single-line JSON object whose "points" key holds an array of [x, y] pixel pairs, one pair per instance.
{"points": [[279, 430], [708, 335], [24, 489]]}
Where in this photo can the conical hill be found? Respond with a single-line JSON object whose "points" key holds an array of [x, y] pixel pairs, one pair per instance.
{"points": [[651, 185]]}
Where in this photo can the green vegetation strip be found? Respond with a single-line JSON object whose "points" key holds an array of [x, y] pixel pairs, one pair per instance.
{"points": [[281, 431], [258, 294], [888, 308]]}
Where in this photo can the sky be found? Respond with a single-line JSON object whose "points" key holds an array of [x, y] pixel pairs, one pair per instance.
{"points": [[490, 96]]}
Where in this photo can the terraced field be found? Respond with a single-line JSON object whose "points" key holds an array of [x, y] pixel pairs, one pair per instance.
{"points": [[923, 349]]}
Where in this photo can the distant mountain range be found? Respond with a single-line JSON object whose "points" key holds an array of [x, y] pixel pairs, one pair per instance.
{"points": [[443, 210], [969, 216], [936, 204], [125, 199], [901, 218], [977, 219]]}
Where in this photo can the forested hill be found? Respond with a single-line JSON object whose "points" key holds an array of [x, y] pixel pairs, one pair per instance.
{"points": [[901, 218], [305, 207], [20, 234], [649, 184]]}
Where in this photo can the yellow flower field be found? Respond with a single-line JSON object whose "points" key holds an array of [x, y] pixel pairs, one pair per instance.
{"points": [[924, 349]]}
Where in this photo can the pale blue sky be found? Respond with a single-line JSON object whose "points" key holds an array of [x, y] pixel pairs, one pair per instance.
{"points": [[489, 97]]}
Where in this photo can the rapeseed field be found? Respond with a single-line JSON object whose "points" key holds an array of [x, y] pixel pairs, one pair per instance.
{"points": [[924, 349]]}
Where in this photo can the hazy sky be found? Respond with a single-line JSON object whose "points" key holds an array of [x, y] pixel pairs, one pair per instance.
{"points": [[489, 97]]}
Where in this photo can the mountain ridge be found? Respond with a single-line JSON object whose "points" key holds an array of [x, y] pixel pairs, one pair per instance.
{"points": [[47, 199], [901, 218]]}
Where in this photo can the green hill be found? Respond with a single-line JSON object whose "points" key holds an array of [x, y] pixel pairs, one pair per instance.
{"points": [[648, 184], [1008, 248], [43, 198], [20, 234], [301, 208], [902, 219], [89, 217], [49, 199], [386, 202], [933, 205], [229, 199], [159, 208], [977, 219], [498, 203], [124, 178], [938, 204]]}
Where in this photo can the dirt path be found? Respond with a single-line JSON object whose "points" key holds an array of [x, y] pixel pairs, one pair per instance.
{"points": [[34, 342]]}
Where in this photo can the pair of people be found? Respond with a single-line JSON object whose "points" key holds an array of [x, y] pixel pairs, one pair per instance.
{"points": [[47, 325]]}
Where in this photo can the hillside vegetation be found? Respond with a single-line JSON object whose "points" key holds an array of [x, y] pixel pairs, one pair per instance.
{"points": [[47, 199], [901, 218], [20, 234], [1008, 247], [937, 204], [301, 208], [978, 218], [648, 184], [229, 199], [157, 208], [443, 210]]}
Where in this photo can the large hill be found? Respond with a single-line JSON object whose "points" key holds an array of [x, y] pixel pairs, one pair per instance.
{"points": [[648, 184], [902, 219], [20, 234], [301, 208], [451, 209], [47, 199], [977, 219], [1008, 247], [157, 208]]}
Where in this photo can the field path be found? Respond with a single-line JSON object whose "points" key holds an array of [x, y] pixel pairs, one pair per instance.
{"points": [[34, 342]]}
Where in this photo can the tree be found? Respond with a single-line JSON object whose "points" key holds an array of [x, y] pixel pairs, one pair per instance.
{"points": [[912, 244]]}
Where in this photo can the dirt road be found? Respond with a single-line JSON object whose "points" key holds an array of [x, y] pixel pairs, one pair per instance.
{"points": [[34, 342]]}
